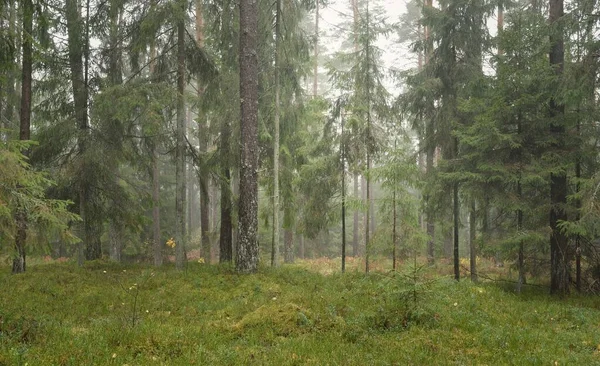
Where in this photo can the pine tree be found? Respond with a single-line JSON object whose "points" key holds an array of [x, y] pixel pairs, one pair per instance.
{"points": [[247, 251]]}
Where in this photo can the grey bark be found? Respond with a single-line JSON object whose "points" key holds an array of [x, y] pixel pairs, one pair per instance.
{"points": [[247, 251], [180, 150]]}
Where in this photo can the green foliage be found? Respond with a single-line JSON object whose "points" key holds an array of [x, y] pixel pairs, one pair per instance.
{"points": [[23, 189]]}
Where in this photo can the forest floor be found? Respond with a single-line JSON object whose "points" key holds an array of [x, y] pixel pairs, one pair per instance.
{"points": [[107, 314]]}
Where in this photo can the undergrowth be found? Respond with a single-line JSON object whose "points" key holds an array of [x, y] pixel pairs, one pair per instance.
{"points": [[59, 314]]}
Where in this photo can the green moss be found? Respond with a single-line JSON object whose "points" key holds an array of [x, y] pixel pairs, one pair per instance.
{"points": [[58, 314]]}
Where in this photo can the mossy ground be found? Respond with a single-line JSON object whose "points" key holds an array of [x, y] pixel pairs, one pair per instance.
{"points": [[59, 314]]}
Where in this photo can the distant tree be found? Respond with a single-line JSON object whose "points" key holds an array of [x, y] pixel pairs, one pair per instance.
{"points": [[560, 252]]}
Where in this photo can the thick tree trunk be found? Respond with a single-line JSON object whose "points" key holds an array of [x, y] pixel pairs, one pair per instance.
{"points": [[180, 150], [559, 250], [247, 251]]}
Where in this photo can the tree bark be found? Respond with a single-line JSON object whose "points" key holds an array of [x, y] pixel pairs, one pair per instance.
{"points": [[225, 237], [355, 220], [180, 149], [455, 214], [275, 246], [202, 147], [342, 150], [247, 253]]}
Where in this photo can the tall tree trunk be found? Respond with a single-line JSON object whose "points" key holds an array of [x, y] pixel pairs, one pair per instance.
{"points": [[180, 149], [355, 220], [202, 147], [247, 251], [430, 217], [226, 231], [316, 60], [157, 248], [19, 264], [394, 217], [430, 144], [90, 247], [275, 246], [559, 251], [116, 227], [342, 151]]}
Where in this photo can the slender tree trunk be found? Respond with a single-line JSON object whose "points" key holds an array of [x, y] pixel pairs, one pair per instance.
{"points": [[316, 60], [355, 220], [430, 218], [372, 221], [19, 262], [521, 255], [225, 237], [180, 149], [559, 251], [394, 219], [203, 139], [472, 243], [247, 253], [275, 246], [429, 162], [342, 150], [578, 203], [500, 25], [455, 214], [157, 249], [157, 245]]}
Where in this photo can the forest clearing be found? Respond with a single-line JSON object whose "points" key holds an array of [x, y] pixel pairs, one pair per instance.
{"points": [[279, 182], [109, 314]]}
